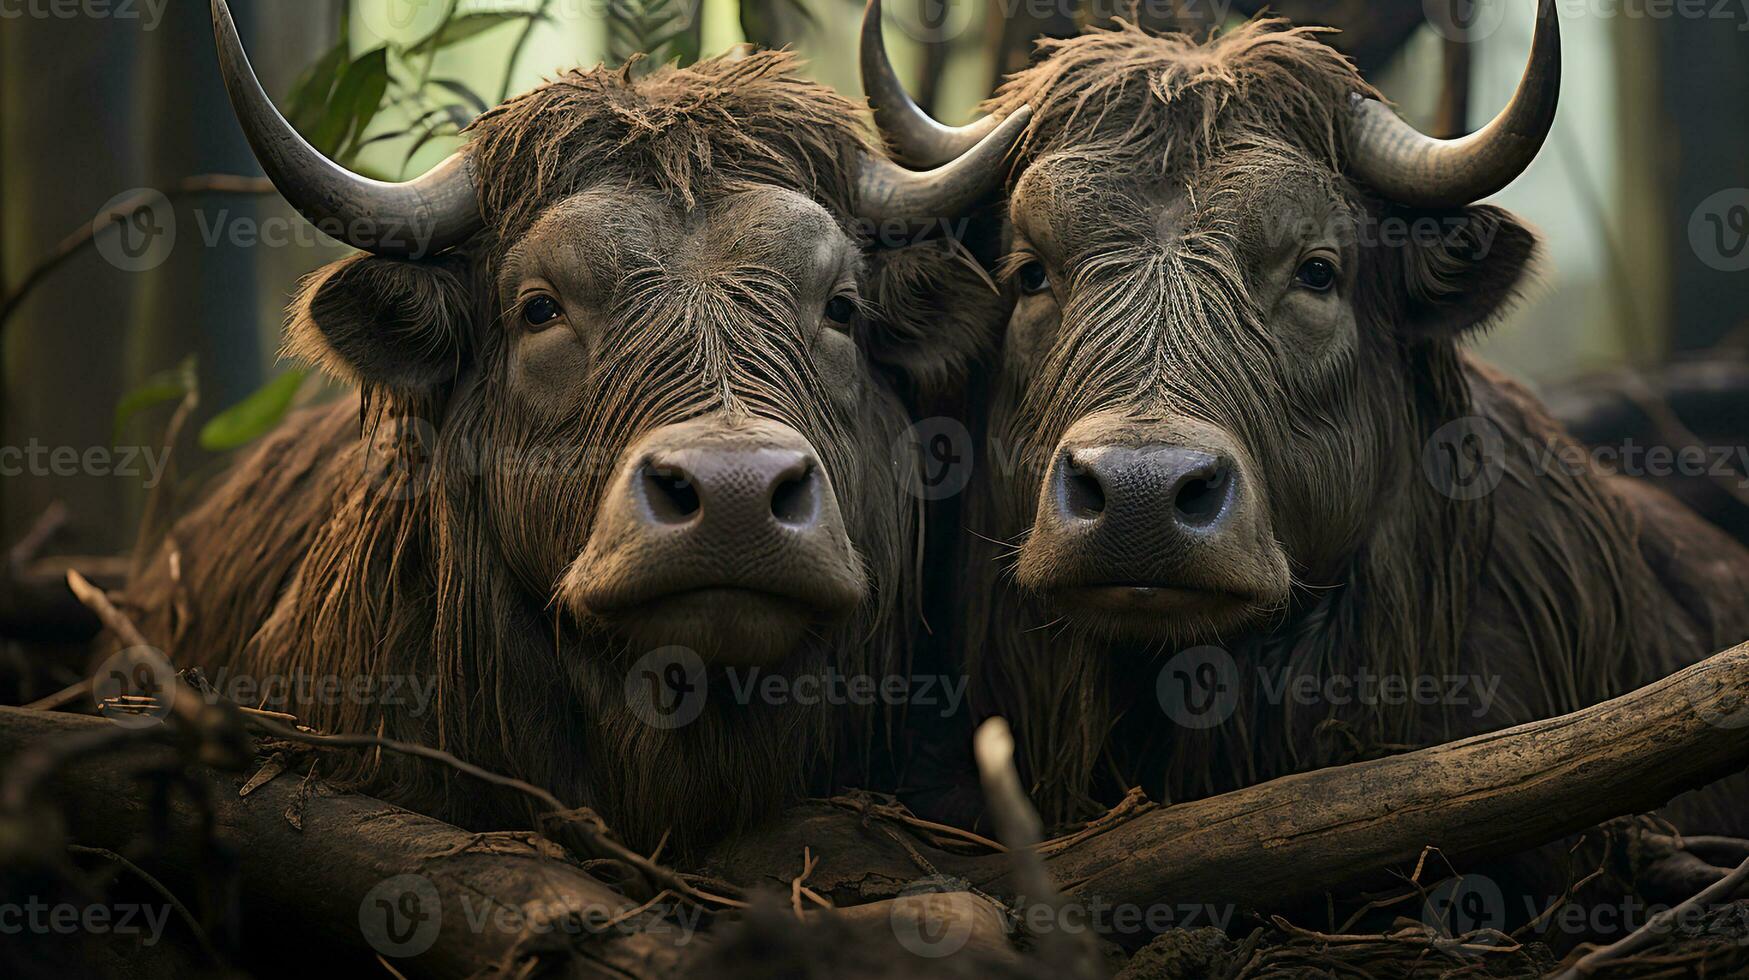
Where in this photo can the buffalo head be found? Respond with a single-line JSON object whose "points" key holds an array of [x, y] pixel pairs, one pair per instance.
{"points": [[635, 372], [1235, 278], [687, 352]]}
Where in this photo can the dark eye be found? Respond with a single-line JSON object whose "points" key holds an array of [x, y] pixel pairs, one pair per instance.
{"points": [[1316, 274], [841, 309], [540, 310], [1033, 278]]}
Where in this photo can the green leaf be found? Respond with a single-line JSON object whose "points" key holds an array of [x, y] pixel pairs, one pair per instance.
{"points": [[310, 96], [437, 131], [253, 417], [170, 385], [463, 92], [663, 30], [368, 100], [366, 75], [775, 23], [458, 29]]}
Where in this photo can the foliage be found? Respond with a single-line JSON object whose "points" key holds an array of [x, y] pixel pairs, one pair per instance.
{"points": [[254, 416], [170, 385], [661, 30], [775, 23]]}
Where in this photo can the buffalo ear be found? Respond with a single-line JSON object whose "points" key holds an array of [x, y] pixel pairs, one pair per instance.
{"points": [[1462, 268], [383, 322], [938, 313]]}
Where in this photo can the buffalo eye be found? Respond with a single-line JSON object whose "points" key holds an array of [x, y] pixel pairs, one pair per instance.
{"points": [[1316, 274], [1032, 278], [841, 309], [540, 311]]}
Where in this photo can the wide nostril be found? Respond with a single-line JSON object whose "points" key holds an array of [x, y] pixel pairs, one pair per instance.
{"points": [[795, 497], [1083, 496], [669, 492], [1202, 496]]}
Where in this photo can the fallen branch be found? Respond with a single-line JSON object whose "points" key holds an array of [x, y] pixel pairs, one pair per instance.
{"points": [[1295, 838], [581, 829], [505, 902]]}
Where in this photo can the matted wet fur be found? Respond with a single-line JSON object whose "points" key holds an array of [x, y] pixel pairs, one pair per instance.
{"points": [[400, 537], [1564, 584]]}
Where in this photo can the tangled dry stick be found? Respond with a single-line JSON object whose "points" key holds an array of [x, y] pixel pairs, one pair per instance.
{"points": [[513, 903], [1255, 848]]}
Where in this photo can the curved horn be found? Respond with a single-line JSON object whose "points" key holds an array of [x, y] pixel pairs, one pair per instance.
{"points": [[406, 220], [915, 138], [1411, 168], [887, 191]]}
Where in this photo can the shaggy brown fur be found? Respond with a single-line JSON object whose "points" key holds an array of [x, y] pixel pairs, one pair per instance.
{"points": [[1563, 584], [424, 547]]}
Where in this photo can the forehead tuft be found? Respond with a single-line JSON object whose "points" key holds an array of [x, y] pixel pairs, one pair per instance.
{"points": [[685, 134], [590, 243], [1147, 101], [1259, 193]]}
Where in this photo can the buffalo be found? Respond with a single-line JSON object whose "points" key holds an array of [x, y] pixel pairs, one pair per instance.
{"points": [[1244, 506], [628, 433]]}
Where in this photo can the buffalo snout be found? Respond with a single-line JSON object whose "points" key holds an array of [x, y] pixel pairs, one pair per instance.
{"points": [[1153, 527], [721, 536]]}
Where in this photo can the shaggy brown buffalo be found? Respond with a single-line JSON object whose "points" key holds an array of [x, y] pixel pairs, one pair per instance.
{"points": [[1245, 507], [629, 447]]}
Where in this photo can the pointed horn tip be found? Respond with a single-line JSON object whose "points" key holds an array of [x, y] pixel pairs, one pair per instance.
{"points": [[1409, 167]]}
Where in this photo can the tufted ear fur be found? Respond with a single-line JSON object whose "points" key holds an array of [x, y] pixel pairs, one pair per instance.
{"points": [[938, 314], [384, 322], [1461, 268]]}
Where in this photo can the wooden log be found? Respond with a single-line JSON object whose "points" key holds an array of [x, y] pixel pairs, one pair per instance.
{"points": [[1256, 848], [1291, 839]]}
